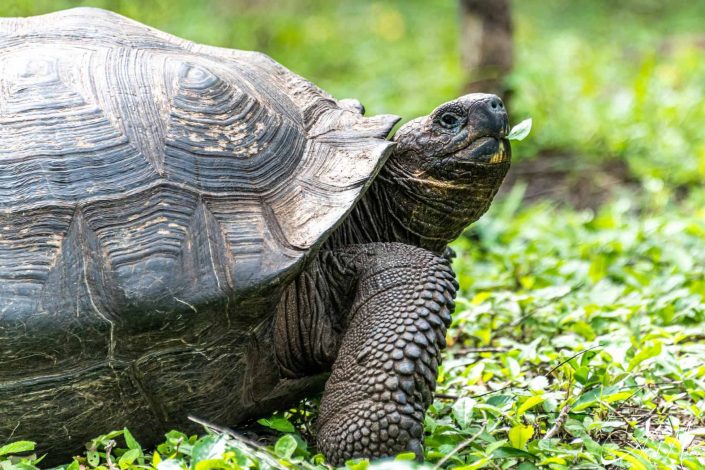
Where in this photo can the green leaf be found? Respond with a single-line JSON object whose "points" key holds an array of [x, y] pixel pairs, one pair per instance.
{"points": [[74, 465], [594, 396], [527, 466], [208, 448], [636, 461], [519, 435], [511, 452], [93, 458], [17, 447], [521, 130], [406, 456], [210, 464], [285, 446], [130, 440], [587, 357], [462, 411], [598, 268], [529, 403], [278, 423], [482, 463], [493, 446], [156, 458], [170, 464], [644, 354], [105, 439], [361, 464], [129, 457], [581, 374], [176, 436], [176, 442], [499, 400]]}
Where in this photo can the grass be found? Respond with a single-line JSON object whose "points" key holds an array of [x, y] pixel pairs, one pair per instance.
{"points": [[578, 338]]}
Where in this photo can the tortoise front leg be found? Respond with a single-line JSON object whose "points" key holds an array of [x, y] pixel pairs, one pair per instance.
{"points": [[386, 368]]}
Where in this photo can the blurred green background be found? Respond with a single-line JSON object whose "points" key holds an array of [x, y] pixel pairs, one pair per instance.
{"points": [[604, 81]]}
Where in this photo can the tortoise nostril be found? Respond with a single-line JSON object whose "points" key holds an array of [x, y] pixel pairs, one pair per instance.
{"points": [[495, 105]]}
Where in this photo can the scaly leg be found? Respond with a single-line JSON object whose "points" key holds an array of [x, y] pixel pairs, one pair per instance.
{"points": [[386, 368]]}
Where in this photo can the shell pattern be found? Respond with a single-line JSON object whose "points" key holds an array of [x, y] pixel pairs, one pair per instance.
{"points": [[147, 182]]}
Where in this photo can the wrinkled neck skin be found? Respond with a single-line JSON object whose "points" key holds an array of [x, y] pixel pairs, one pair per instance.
{"points": [[417, 209]]}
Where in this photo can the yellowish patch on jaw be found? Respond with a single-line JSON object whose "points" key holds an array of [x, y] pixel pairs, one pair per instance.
{"points": [[500, 156]]}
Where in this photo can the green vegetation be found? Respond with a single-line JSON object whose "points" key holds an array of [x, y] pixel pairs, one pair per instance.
{"points": [[615, 82], [578, 340]]}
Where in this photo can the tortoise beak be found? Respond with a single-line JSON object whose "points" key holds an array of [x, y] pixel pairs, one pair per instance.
{"points": [[489, 126], [486, 149], [504, 154]]}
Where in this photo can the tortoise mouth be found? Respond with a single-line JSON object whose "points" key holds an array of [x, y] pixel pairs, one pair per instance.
{"points": [[486, 149]]}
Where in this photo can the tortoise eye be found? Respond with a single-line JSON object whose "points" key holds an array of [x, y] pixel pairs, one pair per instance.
{"points": [[450, 120]]}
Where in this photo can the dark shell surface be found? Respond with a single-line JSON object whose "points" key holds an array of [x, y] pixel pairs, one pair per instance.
{"points": [[155, 195]]}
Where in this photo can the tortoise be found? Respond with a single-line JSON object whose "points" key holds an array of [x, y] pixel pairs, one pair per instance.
{"points": [[192, 230]]}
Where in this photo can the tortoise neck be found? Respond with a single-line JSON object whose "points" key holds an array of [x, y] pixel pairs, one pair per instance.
{"points": [[419, 211], [370, 221], [383, 215]]}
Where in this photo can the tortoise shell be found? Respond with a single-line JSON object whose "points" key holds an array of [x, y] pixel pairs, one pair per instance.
{"points": [[148, 186]]}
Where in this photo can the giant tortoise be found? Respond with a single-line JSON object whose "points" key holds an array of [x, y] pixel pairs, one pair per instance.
{"points": [[190, 230]]}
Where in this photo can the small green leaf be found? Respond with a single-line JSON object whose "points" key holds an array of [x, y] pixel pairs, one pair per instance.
{"points": [[211, 464], [361, 464], [529, 403], [176, 436], [594, 396], [208, 448], [648, 352], [462, 411], [499, 400], [74, 465], [482, 463], [104, 439], [278, 423], [521, 130], [581, 374], [130, 440], [510, 452], [527, 466], [519, 435], [93, 458], [285, 446], [176, 442], [17, 447], [170, 464], [494, 446], [129, 457]]}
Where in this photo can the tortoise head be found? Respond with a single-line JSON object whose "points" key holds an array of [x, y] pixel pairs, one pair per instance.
{"points": [[447, 167]]}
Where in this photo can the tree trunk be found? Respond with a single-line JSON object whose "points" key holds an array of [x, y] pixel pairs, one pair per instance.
{"points": [[486, 45]]}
